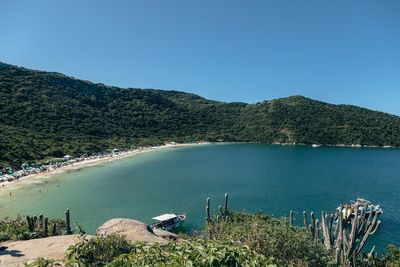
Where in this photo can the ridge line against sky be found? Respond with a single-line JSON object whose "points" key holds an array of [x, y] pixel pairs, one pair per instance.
{"points": [[342, 52], [183, 91]]}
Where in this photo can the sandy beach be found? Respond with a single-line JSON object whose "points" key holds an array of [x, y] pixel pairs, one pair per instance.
{"points": [[35, 178]]}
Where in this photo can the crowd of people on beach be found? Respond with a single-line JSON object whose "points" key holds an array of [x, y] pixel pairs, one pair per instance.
{"points": [[9, 174]]}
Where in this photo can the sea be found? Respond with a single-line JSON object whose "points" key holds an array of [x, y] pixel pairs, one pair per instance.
{"points": [[273, 179]]}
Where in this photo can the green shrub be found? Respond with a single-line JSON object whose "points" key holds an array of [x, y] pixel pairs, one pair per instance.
{"points": [[244, 240], [115, 251], [392, 256], [97, 251], [194, 252], [41, 262], [14, 229], [4, 236], [18, 229], [271, 237]]}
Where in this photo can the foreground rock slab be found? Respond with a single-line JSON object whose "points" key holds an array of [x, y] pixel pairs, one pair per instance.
{"points": [[16, 253], [133, 230]]}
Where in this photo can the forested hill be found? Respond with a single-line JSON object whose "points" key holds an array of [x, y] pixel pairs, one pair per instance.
{"points": [[46, 114]]}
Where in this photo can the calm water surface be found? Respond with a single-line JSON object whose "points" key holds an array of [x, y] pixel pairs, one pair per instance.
{"points": [[274, 179]]}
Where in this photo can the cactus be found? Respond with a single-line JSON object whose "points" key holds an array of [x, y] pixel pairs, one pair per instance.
{"points": [[208, 218], [46, 226], [68, 222], [331, 220], [312, 226], [325, 230], [34, 221], [372, 227], [305, 222], [347, 237], [54, 229], [371, 253], [362, 216], [339, 238], [30, 223], [40, 223], [316, 231], [226, 207], [223, 212]]}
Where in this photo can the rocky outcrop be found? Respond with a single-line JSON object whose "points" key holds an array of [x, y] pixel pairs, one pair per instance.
{"points": [[16, 253], [133, 230]]}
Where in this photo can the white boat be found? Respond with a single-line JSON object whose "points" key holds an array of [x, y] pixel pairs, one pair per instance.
{"points": [[349, 210], [168, 221], [315, 145]]}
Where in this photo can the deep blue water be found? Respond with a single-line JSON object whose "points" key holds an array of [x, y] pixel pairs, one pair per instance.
{"points": [[274, 179]]}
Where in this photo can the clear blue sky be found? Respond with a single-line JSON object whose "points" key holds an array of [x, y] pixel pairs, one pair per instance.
{"points": [[337, 51]]}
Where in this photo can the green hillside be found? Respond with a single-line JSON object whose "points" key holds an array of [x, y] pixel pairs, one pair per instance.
{"points": [[46, 114]]}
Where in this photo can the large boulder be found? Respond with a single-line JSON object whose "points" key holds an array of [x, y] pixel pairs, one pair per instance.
{"points": [[133, 230], [16, 253]]}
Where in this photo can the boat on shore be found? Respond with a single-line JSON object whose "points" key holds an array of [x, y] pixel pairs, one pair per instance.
{"points": [[168, 221], [349, 210]]}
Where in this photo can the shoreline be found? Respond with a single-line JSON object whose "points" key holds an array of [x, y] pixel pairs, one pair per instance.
{"points": [[33, 178], [327, 145]]}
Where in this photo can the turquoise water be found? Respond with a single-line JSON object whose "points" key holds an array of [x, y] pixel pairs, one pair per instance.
{"points": [[270, 178]]}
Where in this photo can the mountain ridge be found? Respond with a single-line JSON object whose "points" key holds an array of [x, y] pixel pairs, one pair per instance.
{"points": [[48, 114]]}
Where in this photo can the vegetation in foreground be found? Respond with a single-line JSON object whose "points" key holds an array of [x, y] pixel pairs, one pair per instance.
{"points": [[243, 240], [113, 251], [271, 237], [19, 229], [45, 115], [31, 227]]}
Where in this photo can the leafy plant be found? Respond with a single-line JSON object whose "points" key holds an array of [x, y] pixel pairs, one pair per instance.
{"points": [[392, 256], [97, 251], [116, 251], [42, 262], [18, 228], [271, 237]]}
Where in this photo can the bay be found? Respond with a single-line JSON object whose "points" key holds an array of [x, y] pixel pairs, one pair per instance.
{"points": [[271, 178]]}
